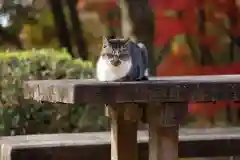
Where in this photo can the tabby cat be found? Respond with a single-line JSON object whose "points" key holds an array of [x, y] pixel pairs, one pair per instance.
{"points": [[122, 60]]}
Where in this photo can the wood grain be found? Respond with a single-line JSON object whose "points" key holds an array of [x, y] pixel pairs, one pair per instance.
{"points": [[163, 132], [88, 146], [123, 132], [161, 89]]}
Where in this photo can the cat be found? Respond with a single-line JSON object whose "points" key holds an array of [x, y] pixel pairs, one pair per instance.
{"points": [[122, 60]]}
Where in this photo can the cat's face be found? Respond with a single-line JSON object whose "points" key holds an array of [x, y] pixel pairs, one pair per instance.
{"points": [[115, 51]]}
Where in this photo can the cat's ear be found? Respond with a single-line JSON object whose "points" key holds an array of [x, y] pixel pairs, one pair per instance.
{"points": [[105, 41]]}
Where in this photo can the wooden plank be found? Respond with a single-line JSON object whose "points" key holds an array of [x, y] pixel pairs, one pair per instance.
{"points": [[123, 133], [162, 89], [124, 140], [163, 143], [163, 131], [88, 146], [101, 138]]}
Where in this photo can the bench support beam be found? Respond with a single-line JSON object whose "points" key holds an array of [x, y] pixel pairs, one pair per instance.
{"points": [[123, 131], [163, 143], [163, 131]]}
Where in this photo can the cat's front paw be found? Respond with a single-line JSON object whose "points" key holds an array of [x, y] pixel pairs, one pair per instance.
{"points": [[142, 79], [145, 78]]}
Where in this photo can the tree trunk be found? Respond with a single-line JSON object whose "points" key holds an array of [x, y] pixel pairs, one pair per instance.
{"points": [[206, 57], [113, 18], [77, 30], [61, 25], [11, 38], [138, 23]]}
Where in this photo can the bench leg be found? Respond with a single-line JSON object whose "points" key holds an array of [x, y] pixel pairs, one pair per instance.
{"points": [[123, 135], [163, 131], [163, 143]]}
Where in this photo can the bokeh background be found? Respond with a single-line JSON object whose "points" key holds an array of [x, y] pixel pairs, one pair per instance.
{"points": [[58, 39]]}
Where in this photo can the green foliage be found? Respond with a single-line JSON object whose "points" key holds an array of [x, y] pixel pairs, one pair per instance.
{"points": [[42, 33], [21, 116]]}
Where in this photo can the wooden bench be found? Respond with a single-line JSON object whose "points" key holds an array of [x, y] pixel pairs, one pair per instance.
{"points": [[166, 99], [87, 146]]}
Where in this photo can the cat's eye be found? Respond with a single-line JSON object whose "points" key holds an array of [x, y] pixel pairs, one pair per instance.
{"points": [[109, 55], [124, 57]]}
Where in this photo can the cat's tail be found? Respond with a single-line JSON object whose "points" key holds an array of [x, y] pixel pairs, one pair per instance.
{"points": [[145, 57]]}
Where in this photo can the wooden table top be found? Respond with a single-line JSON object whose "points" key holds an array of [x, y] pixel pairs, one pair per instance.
{"points": [[157, 89]]}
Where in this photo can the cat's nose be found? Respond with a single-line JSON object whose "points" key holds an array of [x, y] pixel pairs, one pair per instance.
{"points": [[115, 62]]}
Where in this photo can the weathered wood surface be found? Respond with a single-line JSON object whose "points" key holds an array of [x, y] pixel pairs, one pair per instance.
{"points": [[124, 145], [167, 94], [163, 135], [88, 146], [162, 89]]}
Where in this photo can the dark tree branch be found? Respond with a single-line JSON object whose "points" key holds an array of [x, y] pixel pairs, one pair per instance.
{"points": [[189, 41], [138, 22], [10, 38], [61, 25], [114, 16], [233, 23], [206, 57], [77, 30]]}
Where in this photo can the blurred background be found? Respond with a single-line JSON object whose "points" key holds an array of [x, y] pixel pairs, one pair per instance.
{"points": [[57, 39]]}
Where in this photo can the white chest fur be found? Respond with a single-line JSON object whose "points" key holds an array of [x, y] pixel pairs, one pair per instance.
{"points": [[107, 72]]}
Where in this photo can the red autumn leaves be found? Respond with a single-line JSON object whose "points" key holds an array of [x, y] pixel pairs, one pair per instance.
{"points": [[168, 26], [174, 4], [186, 22], [174, 65]]}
